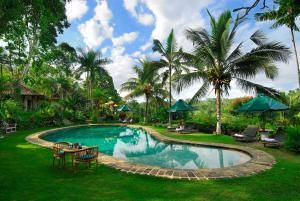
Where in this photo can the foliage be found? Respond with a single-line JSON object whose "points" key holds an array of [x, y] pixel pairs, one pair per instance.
{"points": [[30, 28], [171, 62], [285, 14], [239, 102], [215, 63], [293, 139], [10, 110], [146, 84], [91, 63]]}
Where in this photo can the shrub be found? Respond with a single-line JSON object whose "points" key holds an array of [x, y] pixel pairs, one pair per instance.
{"points": [[293, 139]]}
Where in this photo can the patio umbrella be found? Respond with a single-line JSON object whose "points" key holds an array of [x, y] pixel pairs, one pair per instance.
{"points": [[124, 108], [262, 103], [181, 106]]}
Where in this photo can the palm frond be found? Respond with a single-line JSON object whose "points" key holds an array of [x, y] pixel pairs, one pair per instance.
{"points": [[258, 37], [158, 47], [202, 91], [248, 86]]}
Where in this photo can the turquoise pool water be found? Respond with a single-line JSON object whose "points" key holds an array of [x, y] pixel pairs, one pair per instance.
{"points": [[136, 145]]}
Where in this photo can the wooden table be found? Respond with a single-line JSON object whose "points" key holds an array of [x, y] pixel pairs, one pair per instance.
{"points": [[72, 152]]}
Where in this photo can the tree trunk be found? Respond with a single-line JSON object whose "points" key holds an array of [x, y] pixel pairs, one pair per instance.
{"points": [[297, 61], [170, 94], [218, 104], [146, 110], [91, 97]]}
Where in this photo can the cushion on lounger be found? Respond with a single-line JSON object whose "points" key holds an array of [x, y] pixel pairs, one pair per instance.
{"points": [[270, 140], [238, 135]]}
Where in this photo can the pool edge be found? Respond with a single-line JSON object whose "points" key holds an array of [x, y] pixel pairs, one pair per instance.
{"points": [[259, 162]]}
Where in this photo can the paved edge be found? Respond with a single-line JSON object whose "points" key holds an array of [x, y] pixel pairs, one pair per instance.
{"points": [[260, 160]]}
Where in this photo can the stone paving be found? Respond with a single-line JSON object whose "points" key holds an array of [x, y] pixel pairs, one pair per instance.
{"points": [[260, 161]]}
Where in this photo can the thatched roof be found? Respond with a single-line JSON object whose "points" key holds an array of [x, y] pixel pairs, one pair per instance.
{"points": [[25, 91]]}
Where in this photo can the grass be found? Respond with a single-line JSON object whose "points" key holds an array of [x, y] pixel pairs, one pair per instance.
{"points": [[26, 173]]}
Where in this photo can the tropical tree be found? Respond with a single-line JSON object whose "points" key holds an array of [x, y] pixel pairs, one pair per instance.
{"points": [[92, 63], [284, 15], [216, 62], [144, 84], [171, 62], [29, 28]]}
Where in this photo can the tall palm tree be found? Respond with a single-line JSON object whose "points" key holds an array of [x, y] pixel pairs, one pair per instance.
{"points": [[171, 62], [91, 62], [217, 63], [284, 15], [144, 84]]}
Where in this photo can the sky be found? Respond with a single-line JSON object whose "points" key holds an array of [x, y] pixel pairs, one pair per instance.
{"points": [[123, 30]]}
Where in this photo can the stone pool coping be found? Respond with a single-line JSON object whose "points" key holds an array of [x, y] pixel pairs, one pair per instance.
{"points": [[260, 160]]}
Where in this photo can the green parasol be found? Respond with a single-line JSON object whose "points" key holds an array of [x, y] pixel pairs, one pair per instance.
{"points": [[181, 106], [263, 104], [124, 108]]}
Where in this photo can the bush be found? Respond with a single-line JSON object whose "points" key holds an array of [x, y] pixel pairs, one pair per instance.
{"points": [[10, 110], [293, 139]]}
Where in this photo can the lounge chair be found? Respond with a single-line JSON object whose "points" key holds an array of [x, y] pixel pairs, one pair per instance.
{"points": [[275, 141], [186, 130], [248, 135], [9, 128], [87, 156], [171, 128]]}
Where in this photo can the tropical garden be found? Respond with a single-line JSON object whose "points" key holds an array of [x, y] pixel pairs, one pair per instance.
{"points": [[45, 84]]}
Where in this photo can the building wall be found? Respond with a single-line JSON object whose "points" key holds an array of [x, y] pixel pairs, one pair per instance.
{"points": [[31, 102]]}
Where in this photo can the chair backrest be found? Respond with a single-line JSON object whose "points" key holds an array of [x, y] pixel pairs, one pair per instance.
{"points": [[57, 151], [280, 135], [62, 145], [250, 131], [5, 124], [92, 151]]}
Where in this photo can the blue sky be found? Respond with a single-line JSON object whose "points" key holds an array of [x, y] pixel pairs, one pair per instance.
{"points": [[124, 30]]}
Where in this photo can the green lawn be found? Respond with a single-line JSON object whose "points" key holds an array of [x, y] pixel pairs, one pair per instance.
{"points": [[26, 173]]}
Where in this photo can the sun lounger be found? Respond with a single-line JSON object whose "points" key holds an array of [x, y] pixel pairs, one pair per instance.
{"points": [[276, 141], [248, 135], [186, 130]]}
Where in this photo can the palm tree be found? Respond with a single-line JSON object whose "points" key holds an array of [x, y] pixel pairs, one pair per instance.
{"points": [[285, 15], [91, 63], [171, 62], [217, 63], [144, 84]]}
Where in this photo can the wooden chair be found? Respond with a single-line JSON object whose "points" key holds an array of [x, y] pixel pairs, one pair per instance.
{"points": [[58, 152], [87, 155], [9, 128]]}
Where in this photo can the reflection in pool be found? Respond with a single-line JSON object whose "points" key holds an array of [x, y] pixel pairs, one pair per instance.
{"points": [[136, 145]]}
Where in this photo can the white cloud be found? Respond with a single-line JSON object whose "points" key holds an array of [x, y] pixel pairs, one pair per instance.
{"points": [[178, 15], [146, 19], [76, 9], [146, 46], [97, 29], [125, 38], [121, 67], [140, 14]]}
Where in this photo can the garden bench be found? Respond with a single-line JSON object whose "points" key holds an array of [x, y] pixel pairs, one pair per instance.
{"points": [[9, 128]]}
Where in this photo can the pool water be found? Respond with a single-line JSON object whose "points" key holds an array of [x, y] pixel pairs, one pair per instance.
{"points": [[136, 145]]}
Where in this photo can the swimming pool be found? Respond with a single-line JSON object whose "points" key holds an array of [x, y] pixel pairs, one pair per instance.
{"points": [[137, 146]]}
